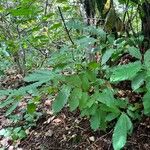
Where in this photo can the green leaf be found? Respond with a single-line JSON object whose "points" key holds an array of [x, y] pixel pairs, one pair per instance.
{"points": [[22, 134], [55, 26], [31, 108], [107, 98], [92, 109], [122, 127], [91, 75], [74, 80], [135, 52], [147, 59], [24, 11], [111, 116], [40, 75], [95, 120], [125, 72], [5, 92], [138, 81], [107, 55], [6, 102], [146, 103], [111, 38], [61, 98], [85, 81], [75, 96], [83, 100], [91, 100], [93, 65], [12, 108], [61, 1]]}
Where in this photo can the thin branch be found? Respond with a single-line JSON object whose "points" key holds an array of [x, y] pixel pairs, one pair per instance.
{"points": [[40, 50], [67, 31]]}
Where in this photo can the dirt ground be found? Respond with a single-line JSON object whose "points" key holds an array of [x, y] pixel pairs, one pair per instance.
{"points": [[68, 131]]}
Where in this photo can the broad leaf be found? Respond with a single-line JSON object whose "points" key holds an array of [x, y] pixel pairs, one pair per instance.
{"points": [[146, 103], [147, 58], [135, 52], [111, 116], [138, 81], [95, 120], [107, 55], [75, 96], [12, 108], [107, 98], [40, 75], [74, 80], [122, 128], [85, 81], [6, 102], [125, 72], [61, 99], [91, 75], [83, 100]]}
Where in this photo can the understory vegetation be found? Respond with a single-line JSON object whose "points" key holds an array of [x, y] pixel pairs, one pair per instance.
{"points": [[89, 57]]}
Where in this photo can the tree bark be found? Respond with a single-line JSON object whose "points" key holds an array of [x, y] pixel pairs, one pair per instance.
{"points": [[145, 18]]}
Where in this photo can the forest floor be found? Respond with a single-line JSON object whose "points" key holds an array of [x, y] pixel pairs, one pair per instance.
{"points": [[68, 131]]}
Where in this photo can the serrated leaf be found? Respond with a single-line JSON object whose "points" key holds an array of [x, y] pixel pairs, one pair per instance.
{"points": [[122, 127], [146, 103], [91, 75], [22, 134], [5, 92], [135, 52], [31, 108], [147, 58], [125, 72], [75, 96], [92, 109], [106, 56], [95, 120], [84, 41], [61, 98], [107, 98], [85, 82], [6, 102], [74, 80], [91, 101], [40, 75], [111, 116], [12, 108], [138, 81], [121, 103], [83, 100]]}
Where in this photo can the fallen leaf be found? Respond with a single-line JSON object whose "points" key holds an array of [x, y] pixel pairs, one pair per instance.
{"points": [[48, 102], [57, 120], [92, 138], [49, 133]]}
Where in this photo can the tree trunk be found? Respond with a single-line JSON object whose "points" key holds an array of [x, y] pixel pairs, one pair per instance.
{"points": [[145, 18]]}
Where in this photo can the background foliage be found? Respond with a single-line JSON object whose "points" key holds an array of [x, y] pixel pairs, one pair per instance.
{"points": [[74, 52]]}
